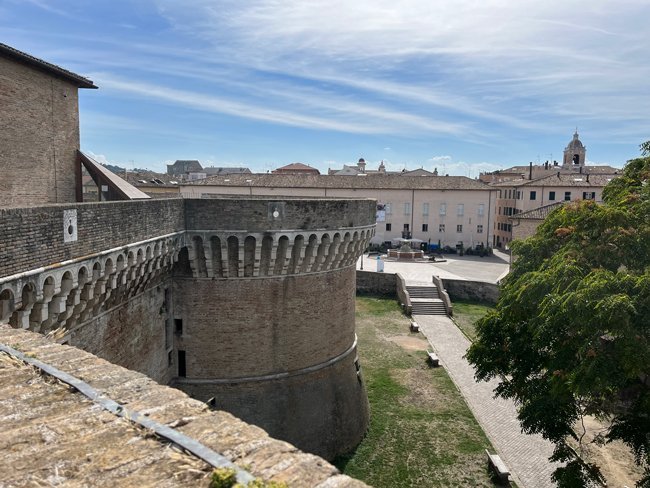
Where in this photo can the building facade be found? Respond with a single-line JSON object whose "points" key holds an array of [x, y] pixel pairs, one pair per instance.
{"points": [[439, 210]]}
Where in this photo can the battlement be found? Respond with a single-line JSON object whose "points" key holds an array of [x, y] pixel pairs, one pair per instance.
{"points": [[248, 301]]}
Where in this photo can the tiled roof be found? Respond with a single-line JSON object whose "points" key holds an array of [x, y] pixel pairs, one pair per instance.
{"points": [[334, 181], [539, 213], [537, 168], [561, 179], [212, 170], [297, 166], [52, 69]]}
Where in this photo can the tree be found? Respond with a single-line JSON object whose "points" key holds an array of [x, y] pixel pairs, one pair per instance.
{"points": [[570, 335]]}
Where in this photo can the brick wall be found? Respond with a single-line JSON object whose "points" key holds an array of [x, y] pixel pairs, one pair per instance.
{"points": [[254, 215], [373, 283], [253, 327], [131, 335], [39, 136], [34, 237], [472, 290]]}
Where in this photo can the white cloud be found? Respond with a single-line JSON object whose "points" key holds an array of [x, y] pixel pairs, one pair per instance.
{"points": [[517, 63]]}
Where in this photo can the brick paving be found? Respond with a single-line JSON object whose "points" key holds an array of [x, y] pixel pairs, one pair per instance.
{"points": [[525, 455]]}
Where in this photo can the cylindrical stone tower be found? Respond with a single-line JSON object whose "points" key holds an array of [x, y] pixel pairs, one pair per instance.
{"points": [[263, 303]]}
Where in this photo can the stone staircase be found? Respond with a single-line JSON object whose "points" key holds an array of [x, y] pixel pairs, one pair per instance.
{"points": [[425, 300]]}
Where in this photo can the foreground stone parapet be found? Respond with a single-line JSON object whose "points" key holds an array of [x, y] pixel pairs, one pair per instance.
{"points": [[54, 435]]}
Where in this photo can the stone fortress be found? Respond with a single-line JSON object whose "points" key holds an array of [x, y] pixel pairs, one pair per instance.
{"points": [[244, 303]]}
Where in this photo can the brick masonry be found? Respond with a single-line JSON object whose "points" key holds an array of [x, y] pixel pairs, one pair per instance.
{"points": [[298, 326], [33, 237], [472, 290], [39, 136], [373, 283]]}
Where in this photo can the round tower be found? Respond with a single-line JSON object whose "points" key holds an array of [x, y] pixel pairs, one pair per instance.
{"points": [[575, 154], [264, 301]]}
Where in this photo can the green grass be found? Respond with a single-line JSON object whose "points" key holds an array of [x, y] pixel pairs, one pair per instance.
{"points": [[421, 431], [467, 313]]}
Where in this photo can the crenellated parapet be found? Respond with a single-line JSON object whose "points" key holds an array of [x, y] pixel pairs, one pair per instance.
{"points": [[232, 254], [64, 295], [245, 303]]}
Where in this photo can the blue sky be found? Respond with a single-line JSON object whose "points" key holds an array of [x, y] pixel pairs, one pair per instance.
{"points": [[464, 85]]}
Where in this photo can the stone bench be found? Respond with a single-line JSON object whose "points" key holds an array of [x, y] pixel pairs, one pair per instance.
{"points": [[498, 467], [433, 359]]}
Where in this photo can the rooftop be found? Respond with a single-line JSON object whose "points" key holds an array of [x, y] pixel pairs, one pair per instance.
{"points": [[50, 68], [539, 213], [54, 435], [394, 182], [561, 179]]}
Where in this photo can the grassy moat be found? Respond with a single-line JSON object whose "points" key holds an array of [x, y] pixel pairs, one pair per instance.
{"points": [[421, 431]]}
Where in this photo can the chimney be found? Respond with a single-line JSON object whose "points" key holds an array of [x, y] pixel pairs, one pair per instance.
{"points": [[558, 174], [530, 170]]}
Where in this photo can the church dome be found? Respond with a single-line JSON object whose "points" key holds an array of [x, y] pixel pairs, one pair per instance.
{"points": [[575, 142]]}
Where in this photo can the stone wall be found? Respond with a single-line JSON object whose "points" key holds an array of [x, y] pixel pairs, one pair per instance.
{"points": [[74, 444], [39, 136], [373, 283], [472, 290], [36, 236]]}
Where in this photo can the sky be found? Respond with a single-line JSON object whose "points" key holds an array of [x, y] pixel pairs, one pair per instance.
{"points": [[463, 86]]}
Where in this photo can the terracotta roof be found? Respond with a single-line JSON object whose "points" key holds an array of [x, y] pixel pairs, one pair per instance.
{"points": [[537, 168], [50, 68], [225, 170], [335, 181], [561, 179], [296, 168], [539, 213]]}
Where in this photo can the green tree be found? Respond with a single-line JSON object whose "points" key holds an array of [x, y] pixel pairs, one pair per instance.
{"points": [[570, 335]]}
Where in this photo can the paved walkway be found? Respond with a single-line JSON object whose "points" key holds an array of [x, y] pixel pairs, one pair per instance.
{"points": [[525, 455], [473, 268]]}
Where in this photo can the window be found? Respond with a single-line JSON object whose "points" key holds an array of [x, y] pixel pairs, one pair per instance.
{"points": [[407, 208], [443, 209], [499, 210], [406, 227], [518, 195], [181, 364], [425, 209], [459, 228], [387, 207], [441, 228], [170, 358], [425, 227], [460, 209], [567, 196], [479, 229], [388, 227], [588, 195], [481, 209], [533, 195], [551, 196], [178, 326]]}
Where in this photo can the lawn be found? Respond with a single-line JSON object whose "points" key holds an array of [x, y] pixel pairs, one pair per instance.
{"points": [[467, 313], [421, 431]]}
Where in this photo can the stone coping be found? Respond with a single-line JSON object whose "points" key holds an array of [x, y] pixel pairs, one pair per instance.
{"points": [[243, 444]]}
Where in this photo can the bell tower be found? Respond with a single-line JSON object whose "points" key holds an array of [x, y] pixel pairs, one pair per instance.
{"points": [[575, 153]]}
